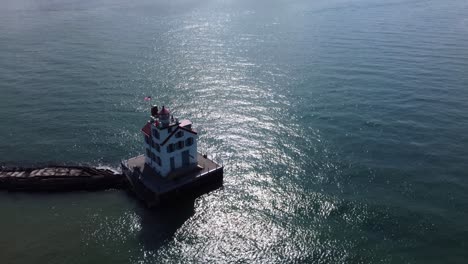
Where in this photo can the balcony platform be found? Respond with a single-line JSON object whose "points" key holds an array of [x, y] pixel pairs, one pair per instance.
{"points": [[154, 189]]}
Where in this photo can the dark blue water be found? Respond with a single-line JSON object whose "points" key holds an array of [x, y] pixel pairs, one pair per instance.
{"points": [[343, 126]]}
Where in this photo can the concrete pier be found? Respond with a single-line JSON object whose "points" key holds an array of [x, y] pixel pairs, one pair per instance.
{"points": [[154, 189]]}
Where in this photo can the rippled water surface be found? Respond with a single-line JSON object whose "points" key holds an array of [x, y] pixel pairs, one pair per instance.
{"points": [[342, 125]]}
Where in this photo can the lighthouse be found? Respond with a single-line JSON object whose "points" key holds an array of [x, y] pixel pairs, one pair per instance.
{"points": [[171, 166], [170, 144]]}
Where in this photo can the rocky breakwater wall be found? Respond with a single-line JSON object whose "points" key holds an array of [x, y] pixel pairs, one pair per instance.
{"points": [[60, 178]]}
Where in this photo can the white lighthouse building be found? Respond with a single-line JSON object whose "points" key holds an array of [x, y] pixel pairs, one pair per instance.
{"points": [[171, 145], [171, 166]]}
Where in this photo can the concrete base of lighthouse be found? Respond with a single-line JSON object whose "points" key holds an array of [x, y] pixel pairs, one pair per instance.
{"points": [[155, 190]]}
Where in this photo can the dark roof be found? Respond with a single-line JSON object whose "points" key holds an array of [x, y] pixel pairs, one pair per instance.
{"points": [[147, 129], [164, 111], [175, 130], [185, 123], [182, 125]]}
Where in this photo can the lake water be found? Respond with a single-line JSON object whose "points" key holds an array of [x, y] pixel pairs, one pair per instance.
{"points": [[342, 125]]}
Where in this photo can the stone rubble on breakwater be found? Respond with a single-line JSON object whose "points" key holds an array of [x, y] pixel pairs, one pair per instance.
{"points": [[60, 178]]}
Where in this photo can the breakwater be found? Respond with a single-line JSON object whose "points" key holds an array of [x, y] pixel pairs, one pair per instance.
{"points": [[59, 178]]}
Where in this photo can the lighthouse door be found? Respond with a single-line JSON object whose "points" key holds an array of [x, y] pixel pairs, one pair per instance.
{"points": [[185, 158], [172, 163]]}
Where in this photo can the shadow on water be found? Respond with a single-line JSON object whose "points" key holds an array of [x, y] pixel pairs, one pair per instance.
{"points": [[158, 225]]}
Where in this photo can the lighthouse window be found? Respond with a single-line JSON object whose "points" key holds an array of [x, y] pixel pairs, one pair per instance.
{"points": [[179, 134], [156, 147], [180, 144], [170, 148], [156, 133], [147, 140], [148, 153], [172, 163], [156, 159], [189, 141]]}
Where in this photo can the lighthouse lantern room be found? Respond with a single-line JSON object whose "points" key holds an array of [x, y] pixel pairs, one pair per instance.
{"points": [[170, 144]]}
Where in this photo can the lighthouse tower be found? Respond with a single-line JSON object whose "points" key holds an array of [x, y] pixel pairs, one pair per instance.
{"points": [[171, 145]]}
